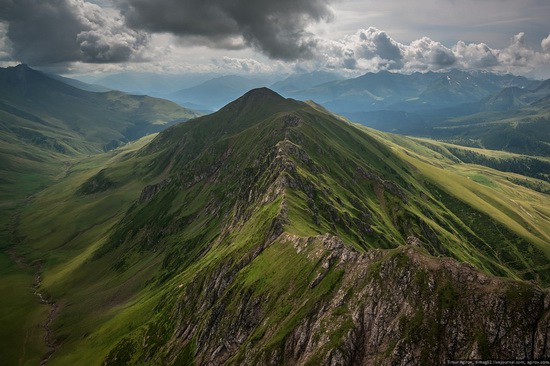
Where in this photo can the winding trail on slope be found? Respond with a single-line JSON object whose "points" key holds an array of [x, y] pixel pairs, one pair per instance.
{"points": [[44, 298], [21, 261], [49, 338]]}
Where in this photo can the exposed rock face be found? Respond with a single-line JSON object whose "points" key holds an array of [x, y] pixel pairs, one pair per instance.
{"points": [[97, 184], [149, 192], [408, 308], [390, 186], [398, 307]]}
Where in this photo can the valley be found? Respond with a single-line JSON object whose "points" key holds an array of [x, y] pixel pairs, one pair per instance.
{"points": [[251, 224], [274, 183], [46, 128]]}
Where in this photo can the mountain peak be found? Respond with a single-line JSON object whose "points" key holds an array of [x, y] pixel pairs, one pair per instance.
{"points": [[22, 78], [262, 93], [21, 69], [24, 69], [257, 98], [544, 85]]}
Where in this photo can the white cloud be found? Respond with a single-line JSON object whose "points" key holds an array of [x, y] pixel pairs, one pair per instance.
{"points": [[474, 56], [371, 43], [545, 44], [517, 53], [105, 38], [426, 54], [366, 50], [372, 50], [5, 44], [243, 65]]}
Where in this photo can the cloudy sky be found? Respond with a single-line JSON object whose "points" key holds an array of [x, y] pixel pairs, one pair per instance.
{"points": [[276, 36]]}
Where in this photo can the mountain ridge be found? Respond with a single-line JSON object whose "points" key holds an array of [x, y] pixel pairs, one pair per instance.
{"points": [[236, 285], [415, 92], [294, 236]]}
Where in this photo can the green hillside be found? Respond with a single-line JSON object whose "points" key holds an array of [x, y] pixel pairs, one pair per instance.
{"points": [[39, 109], [46, 124], [274, 232], [524, 130]]}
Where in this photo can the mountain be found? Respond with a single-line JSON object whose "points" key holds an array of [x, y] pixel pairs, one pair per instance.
{"points": [[506, 99], [454, 88], [369, 91], [523, 131], [214, 93], [297, 82], [85, 121], [543, 88], [513, 119], [148, 83], [410, 93], [275, 232], [512, 98], [46, 124], [80, 84]]}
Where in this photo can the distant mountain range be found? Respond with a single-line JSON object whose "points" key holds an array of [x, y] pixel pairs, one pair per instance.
{"points": [[399, 92], [514, 118], [148, 83], [215, 93], [371, 92], [515, 97], [448, 105], [80, 84], [418, 93], [295, 83]]}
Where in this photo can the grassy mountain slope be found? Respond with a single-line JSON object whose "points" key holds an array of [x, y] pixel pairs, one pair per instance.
{"points": [[513, 119], [44, 123], [524, 131], [35, 106], [295, 237], [46, 126]]}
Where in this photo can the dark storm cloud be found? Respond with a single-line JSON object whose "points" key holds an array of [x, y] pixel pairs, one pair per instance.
{"points": [[276, 28], [43, 32]]}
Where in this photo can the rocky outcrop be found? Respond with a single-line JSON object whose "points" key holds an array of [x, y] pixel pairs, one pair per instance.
{"points": [[150, 191], [97, 184], [388, 185], [386, 307], [407, 308]]}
